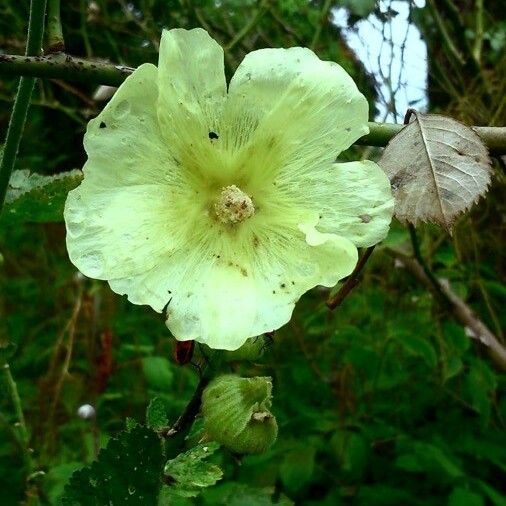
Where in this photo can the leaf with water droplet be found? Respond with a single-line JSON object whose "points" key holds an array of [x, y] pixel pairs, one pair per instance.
{"points": [[188, 473], [37, 198], [110, 480], [438, 168]]}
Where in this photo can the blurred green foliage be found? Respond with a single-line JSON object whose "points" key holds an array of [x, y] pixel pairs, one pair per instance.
{"points": [[386, 401]]}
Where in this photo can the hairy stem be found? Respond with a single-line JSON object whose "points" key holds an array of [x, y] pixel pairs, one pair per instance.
{"points": [[55, 42], [23, 96]]}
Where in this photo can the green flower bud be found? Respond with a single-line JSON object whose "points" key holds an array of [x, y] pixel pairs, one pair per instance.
{"points": [[236, 413]]}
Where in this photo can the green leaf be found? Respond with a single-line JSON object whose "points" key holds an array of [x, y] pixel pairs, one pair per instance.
{"points": [[352, 452], [156, 415], [297, 468], [188, 473], [158, 373], [453, 367], [127, 471], [420, 347], [431, 459], [462, 496], [37, 198], [478, 386]]}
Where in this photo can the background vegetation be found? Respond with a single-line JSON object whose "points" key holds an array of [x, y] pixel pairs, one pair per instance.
{"points": [[387, 400]]}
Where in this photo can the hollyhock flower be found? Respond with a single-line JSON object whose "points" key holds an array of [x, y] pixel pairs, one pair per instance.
{"points": [[225, 204]]}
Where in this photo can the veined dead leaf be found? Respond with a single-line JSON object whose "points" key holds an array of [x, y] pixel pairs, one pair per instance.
{"points": [[438, 168]]}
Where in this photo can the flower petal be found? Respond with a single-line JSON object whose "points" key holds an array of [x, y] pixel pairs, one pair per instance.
{"points": [[221, 299], [358, 202], [191, 80], [288, 111], [117, 218]]}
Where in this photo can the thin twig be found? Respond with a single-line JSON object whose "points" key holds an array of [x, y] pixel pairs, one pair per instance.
{"points": [[351, 282], [323, 20], [462, 312]]}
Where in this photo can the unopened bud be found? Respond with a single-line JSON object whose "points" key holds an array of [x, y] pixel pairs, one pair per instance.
{"points": [[236, 413]]}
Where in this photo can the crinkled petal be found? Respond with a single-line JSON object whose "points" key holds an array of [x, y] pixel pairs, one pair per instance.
{"points": [[358, 202], [117, 219], [191, 79], [289, 112], [124, 143], [354, 200], [221, 297]]}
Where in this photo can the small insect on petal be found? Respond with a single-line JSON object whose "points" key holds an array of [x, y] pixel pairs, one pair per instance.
{"points": [[183, 352]]}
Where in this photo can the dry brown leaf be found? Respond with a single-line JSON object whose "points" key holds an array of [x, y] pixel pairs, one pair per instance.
{"points": [[438, 168]]}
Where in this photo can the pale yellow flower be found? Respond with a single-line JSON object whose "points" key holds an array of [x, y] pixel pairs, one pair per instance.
{"points": [[226, 204]]}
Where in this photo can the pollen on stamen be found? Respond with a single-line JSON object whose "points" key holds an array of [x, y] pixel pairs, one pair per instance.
{"points": [[233, 205]]}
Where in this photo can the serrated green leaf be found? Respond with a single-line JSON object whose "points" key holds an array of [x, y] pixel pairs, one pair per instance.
{"points": [[37, 198], [127, 471], [189, 473], [156, 414]]}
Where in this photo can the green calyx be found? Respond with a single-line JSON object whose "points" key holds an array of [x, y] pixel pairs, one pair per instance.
{"points": [[236, 413]]}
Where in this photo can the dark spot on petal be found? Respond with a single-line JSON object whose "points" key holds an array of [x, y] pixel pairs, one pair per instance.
{"points": [[213, 135], [102, 124], [366, 218], [348, 129], [283, 285], [244, 272], [274, 291]]}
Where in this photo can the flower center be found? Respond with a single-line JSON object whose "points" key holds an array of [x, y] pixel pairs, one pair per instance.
{"points": [[233, 205]]}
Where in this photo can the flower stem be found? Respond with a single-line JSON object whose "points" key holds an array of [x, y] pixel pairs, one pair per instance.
{"points": [[176, 434], [23, 96]]}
